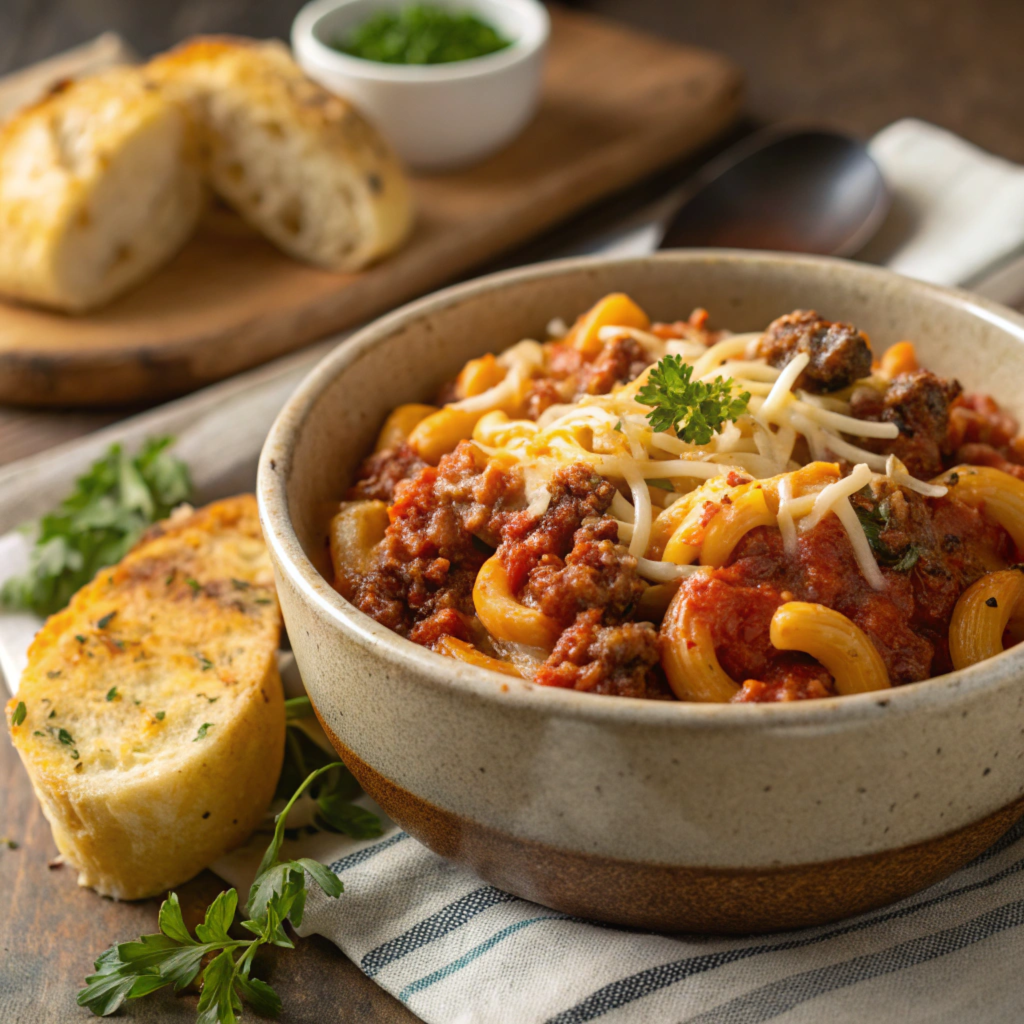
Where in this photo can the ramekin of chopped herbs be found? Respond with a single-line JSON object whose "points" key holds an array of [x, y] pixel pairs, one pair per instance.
{"points": [[447, 81]]}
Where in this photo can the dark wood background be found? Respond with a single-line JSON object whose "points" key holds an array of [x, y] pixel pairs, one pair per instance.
{"points": [[854, 64]]}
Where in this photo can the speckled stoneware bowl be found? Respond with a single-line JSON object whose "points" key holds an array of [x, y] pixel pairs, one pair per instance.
{"points": [[669, 816]]}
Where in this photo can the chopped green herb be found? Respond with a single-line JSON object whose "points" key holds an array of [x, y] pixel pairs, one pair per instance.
{"points": [[80, 638], [170, 578], [130, 970], [874, 520], [695, 410], [20, 711], [160, 716], [74, 755], [422, 34], [53, 673], [618, 426], [9, 843], [109, 508], [38, 732], [106, 620], [203, 729], [52, 714], [264, 600], [112, 693], [194, 584], [240, 584], [65, 737], [205, 662], [661, 484]]}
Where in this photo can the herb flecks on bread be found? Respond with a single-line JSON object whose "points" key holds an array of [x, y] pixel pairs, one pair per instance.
{"points": [[299, 163], [153, 729]]}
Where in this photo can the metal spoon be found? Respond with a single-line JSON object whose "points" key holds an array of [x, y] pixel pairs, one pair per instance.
{"points": [[792, 190]]}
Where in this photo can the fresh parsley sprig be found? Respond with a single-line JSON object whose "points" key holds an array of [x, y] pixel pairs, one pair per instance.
{"points": [[694, 409], [334, 791], [131, 970], [110, 507]]}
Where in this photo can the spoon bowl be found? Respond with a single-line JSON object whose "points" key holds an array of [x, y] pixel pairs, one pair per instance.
{"points": [[790, 190]]}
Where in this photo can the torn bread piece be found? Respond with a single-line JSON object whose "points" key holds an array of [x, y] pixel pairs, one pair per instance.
{"points": [[100, 184], [153, 725], [299, 163]]}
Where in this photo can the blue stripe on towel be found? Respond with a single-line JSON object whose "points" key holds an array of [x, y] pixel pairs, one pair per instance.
{"points": [[446, 920], [344, 863], [636, 986], [781, 996], [476, 951]]}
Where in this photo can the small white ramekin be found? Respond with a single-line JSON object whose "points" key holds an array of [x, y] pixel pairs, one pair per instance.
{"points": [[437, 116]]}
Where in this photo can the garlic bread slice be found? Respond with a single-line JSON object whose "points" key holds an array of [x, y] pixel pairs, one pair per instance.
{"points": [[154, 720]]}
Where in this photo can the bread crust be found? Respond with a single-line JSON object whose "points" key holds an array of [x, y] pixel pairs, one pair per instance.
{"points": [[155, 723], [100, 184], [301, 164]]}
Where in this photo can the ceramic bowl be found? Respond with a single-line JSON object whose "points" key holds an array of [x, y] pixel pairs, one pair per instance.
{"points": [[437, 116], [670, 816]]}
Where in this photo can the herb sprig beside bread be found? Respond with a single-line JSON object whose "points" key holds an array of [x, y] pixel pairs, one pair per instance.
{"points": [[130, 970]]}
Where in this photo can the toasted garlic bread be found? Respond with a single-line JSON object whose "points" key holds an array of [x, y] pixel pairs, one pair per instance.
{"points": [[297, 162], [100, 184], [154, 725]]}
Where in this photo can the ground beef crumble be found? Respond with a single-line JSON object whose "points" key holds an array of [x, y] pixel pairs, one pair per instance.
{"points": [[839, 353], [382, 471], [919, 404], [621, 660]]}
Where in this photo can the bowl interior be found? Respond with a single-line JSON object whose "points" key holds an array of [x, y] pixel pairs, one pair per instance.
{"points": [[332, 422]]}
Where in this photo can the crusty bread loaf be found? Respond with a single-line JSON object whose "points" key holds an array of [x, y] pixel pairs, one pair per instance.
{"points": [[99, 185], [299, 163], [154, 725]]}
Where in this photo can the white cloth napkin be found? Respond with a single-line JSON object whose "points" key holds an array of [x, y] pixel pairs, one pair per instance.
{"points": [[459, 951]]}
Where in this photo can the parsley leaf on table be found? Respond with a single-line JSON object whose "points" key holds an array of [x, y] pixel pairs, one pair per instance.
{"points": [[697, 407], [110, 507], [131, 970]]}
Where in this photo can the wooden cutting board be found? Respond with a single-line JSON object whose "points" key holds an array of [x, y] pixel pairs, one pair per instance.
{"points": [[617, 105]]}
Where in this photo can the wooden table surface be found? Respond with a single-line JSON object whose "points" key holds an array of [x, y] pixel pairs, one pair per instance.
{"points": [[855, 64]]}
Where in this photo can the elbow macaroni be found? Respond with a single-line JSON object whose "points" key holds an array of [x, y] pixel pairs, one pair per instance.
{"points": [[1000, 494], [504, 616], [982, 614], [831, 638]]}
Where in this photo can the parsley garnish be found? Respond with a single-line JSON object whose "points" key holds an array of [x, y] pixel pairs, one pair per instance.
{"points": [[194, 584], [106, 620], [65, 737], [204, 662], [110, 507], [697, 407], [160, 716], [130, 970], [203, 730], [19, 713], [112, 693]]}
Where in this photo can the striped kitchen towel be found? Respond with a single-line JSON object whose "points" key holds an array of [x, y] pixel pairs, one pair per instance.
{"points": [[459, 951]]}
